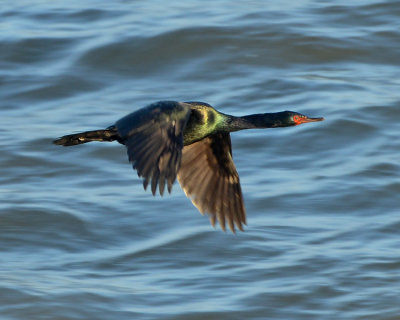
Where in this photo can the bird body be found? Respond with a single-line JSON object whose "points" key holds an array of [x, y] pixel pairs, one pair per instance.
{"points": [[189, 141], [199, 119]]}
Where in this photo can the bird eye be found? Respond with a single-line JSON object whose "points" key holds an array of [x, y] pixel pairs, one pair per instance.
{"points": [[298, 119]]}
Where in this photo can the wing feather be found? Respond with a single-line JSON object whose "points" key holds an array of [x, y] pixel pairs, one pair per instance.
{"points": [[154, 140], [209, 178]]}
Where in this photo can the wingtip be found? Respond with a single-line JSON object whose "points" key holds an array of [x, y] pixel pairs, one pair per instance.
{"points": [[145, 184]]}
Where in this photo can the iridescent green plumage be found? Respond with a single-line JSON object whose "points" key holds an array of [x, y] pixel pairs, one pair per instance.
{"points": [[204, 120], [189, 141]]}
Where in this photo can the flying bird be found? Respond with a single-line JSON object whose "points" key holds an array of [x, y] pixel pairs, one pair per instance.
{"points": [[189, 141]]}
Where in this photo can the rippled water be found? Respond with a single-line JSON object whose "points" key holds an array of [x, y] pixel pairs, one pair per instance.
{"points": [[80, 239]]}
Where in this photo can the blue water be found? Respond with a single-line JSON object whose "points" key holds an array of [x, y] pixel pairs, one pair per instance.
{"points": [[81, 239]]}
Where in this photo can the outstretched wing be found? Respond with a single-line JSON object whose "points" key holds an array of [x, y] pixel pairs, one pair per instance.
{"points": [[209, 178], [154, 139]]}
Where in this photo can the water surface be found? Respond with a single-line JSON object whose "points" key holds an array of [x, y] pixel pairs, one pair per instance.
{"points": [[80, 239]]}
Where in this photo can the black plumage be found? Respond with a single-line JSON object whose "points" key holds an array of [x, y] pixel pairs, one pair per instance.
{"points": [[191, 141]]}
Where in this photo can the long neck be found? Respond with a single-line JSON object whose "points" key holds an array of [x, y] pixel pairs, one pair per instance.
{"points": [[254, 121]]}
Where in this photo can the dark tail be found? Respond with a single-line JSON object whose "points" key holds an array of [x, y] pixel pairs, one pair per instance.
{"points": [[109, 134]]}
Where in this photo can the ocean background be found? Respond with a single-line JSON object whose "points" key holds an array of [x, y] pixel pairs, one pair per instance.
{"points": [[81, 239]]}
